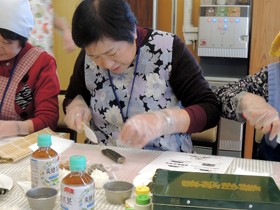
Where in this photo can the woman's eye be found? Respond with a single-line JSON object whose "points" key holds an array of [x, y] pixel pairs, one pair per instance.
{"points": [[8, 41], [113, 54]]}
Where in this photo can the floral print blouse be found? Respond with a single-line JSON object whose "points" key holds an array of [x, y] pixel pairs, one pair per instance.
{"points": [[167, 73], [256, 84]]}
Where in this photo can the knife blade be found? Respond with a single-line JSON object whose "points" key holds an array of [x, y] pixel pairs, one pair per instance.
{"points": [[89, 133]]}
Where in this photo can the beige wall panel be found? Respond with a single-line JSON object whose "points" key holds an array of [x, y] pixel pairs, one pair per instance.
{"points": [[65, 62]]}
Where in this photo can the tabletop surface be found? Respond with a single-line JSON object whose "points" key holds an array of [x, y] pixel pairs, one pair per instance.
{"points": [[136, 160]]}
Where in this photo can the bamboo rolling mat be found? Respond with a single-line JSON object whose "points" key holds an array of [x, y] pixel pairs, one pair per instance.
{"points": [[18, 149]]}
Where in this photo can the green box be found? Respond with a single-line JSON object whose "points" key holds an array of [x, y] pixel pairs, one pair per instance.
{"points": [[175, 190]]}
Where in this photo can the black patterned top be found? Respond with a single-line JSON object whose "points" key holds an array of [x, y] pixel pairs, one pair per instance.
{"points": [[256, 84]]}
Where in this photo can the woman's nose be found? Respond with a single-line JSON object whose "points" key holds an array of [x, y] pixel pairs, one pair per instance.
{"points": [[107, 63]]}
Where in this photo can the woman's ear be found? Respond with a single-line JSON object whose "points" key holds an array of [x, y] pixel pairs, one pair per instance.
{"points": [[135, 34]]}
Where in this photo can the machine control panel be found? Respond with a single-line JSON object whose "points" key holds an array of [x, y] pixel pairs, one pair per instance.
{"points": [[223, 31]]}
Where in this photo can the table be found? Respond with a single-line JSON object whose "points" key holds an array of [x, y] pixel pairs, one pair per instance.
{"points": [[136, 159]]}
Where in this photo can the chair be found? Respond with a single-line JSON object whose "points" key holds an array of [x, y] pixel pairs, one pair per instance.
{"points": [[61, 126], [207, 138]]}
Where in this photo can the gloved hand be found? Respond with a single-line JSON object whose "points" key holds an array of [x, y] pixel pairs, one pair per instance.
{"points": [[76, 113], [13, 128], [260, 114], [68, 43], [140, 129]]}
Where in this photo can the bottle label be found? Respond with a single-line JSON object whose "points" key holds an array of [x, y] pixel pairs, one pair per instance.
{"points": [[80, 197], [45, 172]]}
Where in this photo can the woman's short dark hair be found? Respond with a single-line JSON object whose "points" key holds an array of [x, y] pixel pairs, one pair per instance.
{"points": [[94, 20], [9, 35]]}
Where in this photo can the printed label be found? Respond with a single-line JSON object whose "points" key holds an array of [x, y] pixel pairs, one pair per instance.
{"points": [[45, 172], [81, 197]]}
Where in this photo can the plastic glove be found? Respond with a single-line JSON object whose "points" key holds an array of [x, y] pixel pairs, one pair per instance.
{"points": [[260, 114], [76, 113], [140, 129], [13, 128]]}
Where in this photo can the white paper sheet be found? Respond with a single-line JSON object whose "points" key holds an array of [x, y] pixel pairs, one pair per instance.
{"points": [[58, 144], [240, 171], [176, 161]]}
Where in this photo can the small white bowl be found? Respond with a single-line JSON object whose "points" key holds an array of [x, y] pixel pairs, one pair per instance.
{"points": [[42, 198], [118, 191]]}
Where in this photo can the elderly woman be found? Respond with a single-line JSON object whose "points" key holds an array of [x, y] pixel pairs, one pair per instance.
{"points": [[257, 99], [28, 81], [133, 78]]}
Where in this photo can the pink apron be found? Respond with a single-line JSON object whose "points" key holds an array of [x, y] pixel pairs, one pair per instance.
{"points": [[8, 111]]}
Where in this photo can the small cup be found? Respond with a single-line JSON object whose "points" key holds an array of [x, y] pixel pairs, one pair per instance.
{"points": [[42, 198], [118, 191]]}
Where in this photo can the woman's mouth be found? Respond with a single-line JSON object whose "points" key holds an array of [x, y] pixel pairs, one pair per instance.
{"points": [[116, 69]]}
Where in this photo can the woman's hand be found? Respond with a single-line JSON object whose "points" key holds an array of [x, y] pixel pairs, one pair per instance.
{"points": [[13, 128], [76, 113], [68, 43], [140, 129], [259, 113]]}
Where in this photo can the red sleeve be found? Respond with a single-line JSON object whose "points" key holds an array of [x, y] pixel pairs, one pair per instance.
{"points": [[198, 118], [46, 90]]}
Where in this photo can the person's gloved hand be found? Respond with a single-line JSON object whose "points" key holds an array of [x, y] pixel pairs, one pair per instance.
{"points": [[140, 129], [76, 113], [260, 114], [13, 128], [68, 43]]}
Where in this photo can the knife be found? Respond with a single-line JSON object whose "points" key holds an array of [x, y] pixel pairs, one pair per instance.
{"points": [[89, 133]]}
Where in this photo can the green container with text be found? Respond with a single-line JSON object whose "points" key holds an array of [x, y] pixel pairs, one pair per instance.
{"points": [[175, 190]]}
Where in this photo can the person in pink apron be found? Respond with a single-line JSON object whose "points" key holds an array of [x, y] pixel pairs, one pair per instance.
{"points": [[29, 85]]}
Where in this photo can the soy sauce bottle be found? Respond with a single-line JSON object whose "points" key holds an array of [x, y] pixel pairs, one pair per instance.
{"points": [[77, 188], [44, 164]]}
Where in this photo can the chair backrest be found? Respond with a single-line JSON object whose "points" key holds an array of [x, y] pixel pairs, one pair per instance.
{"points": [[207, 138], [61, 122], [209, 135]]}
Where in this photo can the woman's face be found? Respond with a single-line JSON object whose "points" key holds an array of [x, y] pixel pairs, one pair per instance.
{"points": [[8, 48], [113, 55]]}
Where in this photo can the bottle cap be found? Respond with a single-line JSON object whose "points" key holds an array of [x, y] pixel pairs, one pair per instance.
{"points": [[143, 199], [142, 190], [44, 140], [77, 163]]}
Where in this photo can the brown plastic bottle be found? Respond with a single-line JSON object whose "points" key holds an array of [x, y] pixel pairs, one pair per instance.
{"points": [[76, 185], [45, 164], [44, 152]]}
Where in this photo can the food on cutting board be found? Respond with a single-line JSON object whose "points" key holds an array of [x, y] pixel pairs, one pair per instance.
{"points": [[113, 155], [99, 174]]}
